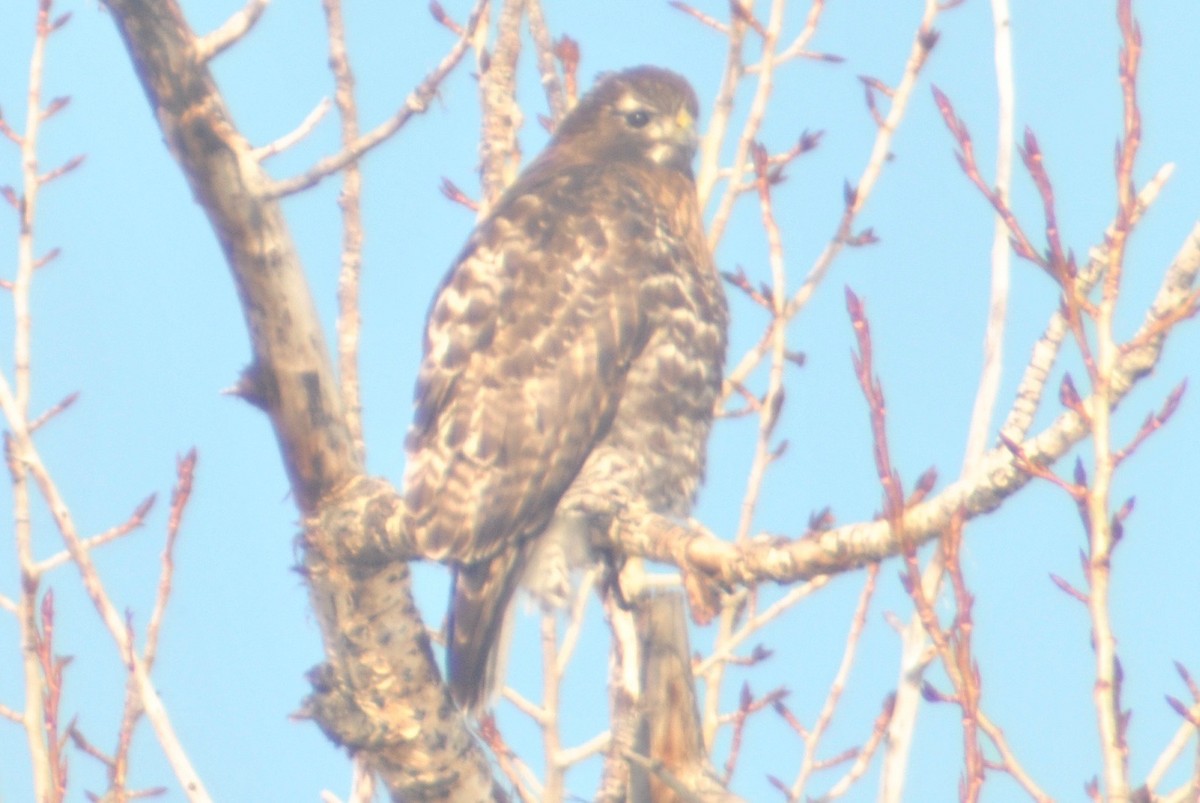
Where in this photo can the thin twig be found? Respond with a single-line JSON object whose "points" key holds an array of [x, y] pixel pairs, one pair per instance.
{"points": [[306, 127], [713, 141], [853, 638], [965, 676], [524, 780], [231, 31], [524, 704], [754, 118], [1009, 762], [713, 679], [349, 320], [1170, 754], [1045, 351], [914, 637], [880, 151], [593, 746], [26, 453], [52, 670], [862, 760], [135, 521], [710, 21], [36, 683], [417, 103], [1111, 719], [993, 341], [185, 471], [553, 778], [544, 49], [49, 415], [575, 621], [754, 624]]}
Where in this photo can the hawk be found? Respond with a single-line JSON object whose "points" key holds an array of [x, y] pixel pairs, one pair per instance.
{"points": [[573, 356]]}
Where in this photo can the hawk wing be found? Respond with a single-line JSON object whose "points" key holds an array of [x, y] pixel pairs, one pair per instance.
{"points": [[527, 346]]}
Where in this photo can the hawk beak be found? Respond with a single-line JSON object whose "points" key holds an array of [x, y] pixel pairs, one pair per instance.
{"points": [[685, 127]]}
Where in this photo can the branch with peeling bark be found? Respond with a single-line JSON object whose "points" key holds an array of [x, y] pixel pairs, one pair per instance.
{"points": [[370, 528], [408, 732]]}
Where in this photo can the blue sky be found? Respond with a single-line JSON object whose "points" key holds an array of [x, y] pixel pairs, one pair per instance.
{"points": [[139, 314]]}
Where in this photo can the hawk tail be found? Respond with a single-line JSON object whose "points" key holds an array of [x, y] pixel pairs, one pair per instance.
{"points": [[477, 632]]}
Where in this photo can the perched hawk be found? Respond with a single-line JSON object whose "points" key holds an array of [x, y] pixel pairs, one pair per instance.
{"points": [[573, 355]]}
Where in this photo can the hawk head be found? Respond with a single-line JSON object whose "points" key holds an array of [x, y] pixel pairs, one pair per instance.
{"points": [[640, 114]]}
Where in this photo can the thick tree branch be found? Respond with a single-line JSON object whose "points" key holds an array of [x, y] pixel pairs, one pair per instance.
{"points": [[371, 529], [381, 694], [995, 478], [291, 377]]}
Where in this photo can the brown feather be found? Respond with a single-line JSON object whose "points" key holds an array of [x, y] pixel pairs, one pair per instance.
{"points": [[574, 347]]}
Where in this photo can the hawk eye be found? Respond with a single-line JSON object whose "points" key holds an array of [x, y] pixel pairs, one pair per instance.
{"points": [[637, 119]]}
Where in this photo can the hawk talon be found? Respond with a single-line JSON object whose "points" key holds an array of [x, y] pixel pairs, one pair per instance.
{"points": [[614, 563]]}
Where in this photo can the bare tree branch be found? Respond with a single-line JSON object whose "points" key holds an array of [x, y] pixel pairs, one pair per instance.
{"points": [[306, 127], [408, 730], [544, 45], [25, 452], [349, 323], [706, 558], [997, 477], [856, 196], [500, 154], [416, 103], [231, 31]]}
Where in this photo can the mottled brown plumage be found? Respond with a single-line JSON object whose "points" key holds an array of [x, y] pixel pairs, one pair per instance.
{"points": [[573, 352]]}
